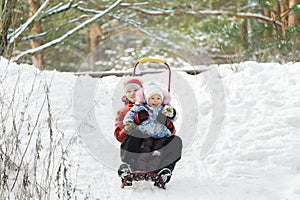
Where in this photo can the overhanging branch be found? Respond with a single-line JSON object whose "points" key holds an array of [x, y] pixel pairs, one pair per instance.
{"points": [[20, 30], [207, 13], [68, 34]]}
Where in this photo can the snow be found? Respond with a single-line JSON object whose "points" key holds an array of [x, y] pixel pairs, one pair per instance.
{"points": [[240, 126]]}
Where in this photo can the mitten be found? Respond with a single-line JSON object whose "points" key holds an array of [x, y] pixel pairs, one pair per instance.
{"points": [[168, 111], [161, 118], [121, 135], [170, 126], [141, 116], [128, 126], [165, 121]]}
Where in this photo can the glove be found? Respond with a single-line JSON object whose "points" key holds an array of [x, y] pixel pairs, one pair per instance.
{"points": [[141, 116], [168, 111], [128, 126]]}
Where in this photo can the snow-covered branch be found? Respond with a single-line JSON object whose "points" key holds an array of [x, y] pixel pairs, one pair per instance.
{"points": [[206, 13], [68, 34], [63, 7], [31, 37], [147, 32], [20, 30], [59, 8]]}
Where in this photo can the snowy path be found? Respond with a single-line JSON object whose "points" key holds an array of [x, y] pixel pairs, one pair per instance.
{"points": [[257, 151], [256, 156]]}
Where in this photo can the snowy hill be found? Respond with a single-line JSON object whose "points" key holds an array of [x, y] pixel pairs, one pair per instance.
{"points": [[241, 134]]}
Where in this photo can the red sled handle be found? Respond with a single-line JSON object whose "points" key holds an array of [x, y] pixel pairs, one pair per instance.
{"points": [[154, 60]]}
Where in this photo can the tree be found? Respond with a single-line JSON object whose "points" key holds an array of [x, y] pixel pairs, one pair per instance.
{"points": [[74, 27], [7, 9], [36, 29], [294, 17], [48, 12]]}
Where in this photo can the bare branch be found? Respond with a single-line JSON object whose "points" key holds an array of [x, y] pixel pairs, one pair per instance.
{"points": [[20, 30], [68, 34], [206, 13], [30, 137], [30, 37]]}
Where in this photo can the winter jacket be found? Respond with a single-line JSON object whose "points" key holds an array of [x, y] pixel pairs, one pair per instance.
{"points": [[150, 127], [119, 133]]}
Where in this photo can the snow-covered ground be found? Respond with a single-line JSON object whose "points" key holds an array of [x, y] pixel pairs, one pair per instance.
{"points": [[241, 131]]}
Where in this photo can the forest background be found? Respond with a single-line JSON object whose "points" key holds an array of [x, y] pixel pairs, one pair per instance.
{"points": [[39, 32], [41, 151]]}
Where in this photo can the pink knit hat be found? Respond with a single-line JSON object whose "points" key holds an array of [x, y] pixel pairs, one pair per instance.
{"points": [[132, 83]]}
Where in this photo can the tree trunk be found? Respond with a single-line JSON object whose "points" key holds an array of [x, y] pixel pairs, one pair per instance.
{"points": [[293, 19], [284, 16], [275, 14], [6, 12], [94, 33], [244, 28], [210, 4], [37, 60], [245, 33], [267, 32]]}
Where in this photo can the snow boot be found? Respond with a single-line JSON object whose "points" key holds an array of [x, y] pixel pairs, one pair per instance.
{"points": [[123, 171], [165, 175]]}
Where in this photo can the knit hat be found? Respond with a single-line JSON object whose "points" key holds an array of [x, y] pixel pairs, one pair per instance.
{"points": [[132, 83], [152, 89]]}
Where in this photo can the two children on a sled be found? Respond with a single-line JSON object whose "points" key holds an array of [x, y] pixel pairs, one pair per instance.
{"points": [[145, 128]]}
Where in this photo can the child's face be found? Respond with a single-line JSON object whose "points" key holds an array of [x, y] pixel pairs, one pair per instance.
{"points": [[131, 94], [155, 101]]}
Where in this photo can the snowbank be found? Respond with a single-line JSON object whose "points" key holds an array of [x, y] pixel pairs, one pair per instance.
{"points": [[256, 155]]}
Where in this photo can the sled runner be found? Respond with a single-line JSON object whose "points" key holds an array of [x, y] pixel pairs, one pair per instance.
{"points": [[145, 176]]}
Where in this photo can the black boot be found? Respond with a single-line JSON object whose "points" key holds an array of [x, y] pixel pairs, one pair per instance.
{"points": [[165, 175], [123, 171]]}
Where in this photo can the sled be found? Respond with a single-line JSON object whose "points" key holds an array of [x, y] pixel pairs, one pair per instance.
{"points": [[148, 176], [144, 176]]}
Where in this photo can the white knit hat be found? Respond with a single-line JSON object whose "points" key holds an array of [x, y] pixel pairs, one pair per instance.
{"points": [[152, 89]]}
